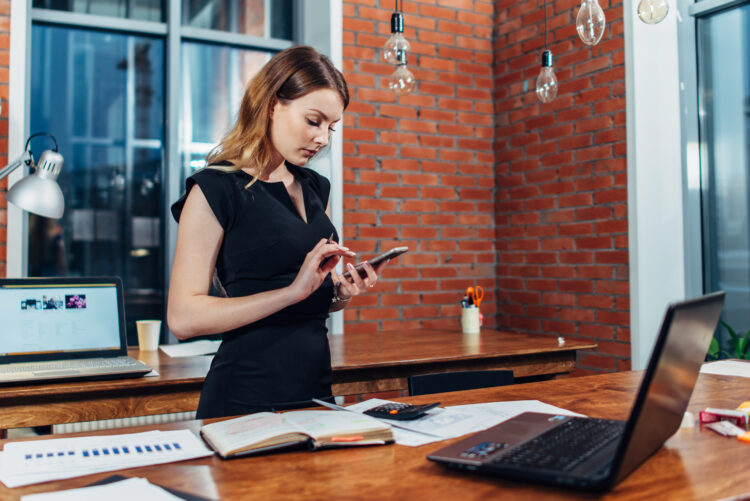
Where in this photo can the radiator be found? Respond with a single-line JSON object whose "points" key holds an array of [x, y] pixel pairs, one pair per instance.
{"points": [[106, 424]]}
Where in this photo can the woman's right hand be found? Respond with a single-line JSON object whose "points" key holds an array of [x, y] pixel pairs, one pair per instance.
{"points": [[316, 267]]}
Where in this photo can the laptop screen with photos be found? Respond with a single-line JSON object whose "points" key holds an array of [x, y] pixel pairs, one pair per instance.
{"points": [[54, 318]]}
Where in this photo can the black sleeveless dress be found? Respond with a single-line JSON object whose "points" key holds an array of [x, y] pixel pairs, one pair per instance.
{"points": [[283, 360]]}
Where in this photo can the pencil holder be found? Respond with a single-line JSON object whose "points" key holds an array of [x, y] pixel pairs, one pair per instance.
{"points": [[470, 320]]}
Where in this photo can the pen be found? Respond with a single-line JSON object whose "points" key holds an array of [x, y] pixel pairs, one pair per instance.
{"points": [[328, 241]]}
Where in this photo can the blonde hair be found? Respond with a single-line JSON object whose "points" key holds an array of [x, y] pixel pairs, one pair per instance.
{"points": [[290, 74]]}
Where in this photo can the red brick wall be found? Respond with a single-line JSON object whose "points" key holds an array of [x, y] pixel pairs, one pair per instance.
{"points": [[548, 183], [484, 183], [419, 169], [4, 65], [561, 181]]}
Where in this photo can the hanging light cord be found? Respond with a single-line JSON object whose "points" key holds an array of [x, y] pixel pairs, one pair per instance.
{"points": [[545, 24]]}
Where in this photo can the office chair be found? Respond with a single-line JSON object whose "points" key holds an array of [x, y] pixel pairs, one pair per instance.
{"points": [[455, 381]]}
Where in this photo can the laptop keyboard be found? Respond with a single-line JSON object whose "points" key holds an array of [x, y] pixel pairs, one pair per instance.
{"points": [[92, 363], [564, 447]]}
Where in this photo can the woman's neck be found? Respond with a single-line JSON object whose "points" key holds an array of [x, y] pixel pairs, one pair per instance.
{"points": [[276, 171]]}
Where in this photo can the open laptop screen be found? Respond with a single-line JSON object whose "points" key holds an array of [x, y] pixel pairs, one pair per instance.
{"points": [[44, 319]]}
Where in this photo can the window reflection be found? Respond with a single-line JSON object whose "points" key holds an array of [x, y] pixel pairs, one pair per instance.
{"points": [[213, 82], [102, 96], [142, 10], [260, 18]]}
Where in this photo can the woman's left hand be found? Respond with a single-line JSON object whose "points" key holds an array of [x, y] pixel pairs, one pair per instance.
{"points": [[355, 285]]}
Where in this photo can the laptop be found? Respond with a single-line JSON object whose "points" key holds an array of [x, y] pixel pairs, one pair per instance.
{"points": [[595, 454], [56, 329]]}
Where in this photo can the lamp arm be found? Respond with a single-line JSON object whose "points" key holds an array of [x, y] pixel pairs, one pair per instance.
{"points": [[25, 158]]}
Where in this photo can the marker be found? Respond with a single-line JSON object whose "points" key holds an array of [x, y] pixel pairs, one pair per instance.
{"points": [[347, 439]]}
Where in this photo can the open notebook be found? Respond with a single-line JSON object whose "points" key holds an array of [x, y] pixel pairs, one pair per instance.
{"points": [[64, 328]]}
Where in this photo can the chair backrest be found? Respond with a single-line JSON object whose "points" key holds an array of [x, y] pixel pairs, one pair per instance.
{"points": [[456, 381]]}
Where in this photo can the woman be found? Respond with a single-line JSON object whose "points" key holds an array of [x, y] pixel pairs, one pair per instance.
{"points": [[259, 222]]}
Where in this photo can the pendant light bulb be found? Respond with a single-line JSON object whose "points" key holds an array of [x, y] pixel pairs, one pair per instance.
{"points": [[590, 22], [402, 80], [396, 44], [546, 82], [653, 11]]}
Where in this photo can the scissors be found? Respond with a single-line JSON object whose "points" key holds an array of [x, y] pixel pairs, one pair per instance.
{"points": [[476, 294]]}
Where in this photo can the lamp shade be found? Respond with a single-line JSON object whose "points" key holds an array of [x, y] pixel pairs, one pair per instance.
{"points": [[39, 192]]}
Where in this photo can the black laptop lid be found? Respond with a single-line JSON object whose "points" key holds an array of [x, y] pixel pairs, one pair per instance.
{"points": [[61, 319], [669, 380]]}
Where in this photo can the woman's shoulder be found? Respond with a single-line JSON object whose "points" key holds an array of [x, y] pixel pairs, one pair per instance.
{"points": [[217, 177], [216, 171], [218, 187]]}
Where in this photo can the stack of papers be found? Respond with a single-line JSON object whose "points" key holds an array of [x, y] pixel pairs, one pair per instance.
{"points": [[202, 347], [739, 368], [24, 463], [440, 424], [125, 490]]}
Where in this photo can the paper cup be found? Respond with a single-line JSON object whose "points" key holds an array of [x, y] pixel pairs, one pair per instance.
{"points": [[148, 334], [470, 320]]}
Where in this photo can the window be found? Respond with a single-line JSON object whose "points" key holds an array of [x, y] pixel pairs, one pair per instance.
{"points": [[213, 82], [100, 88], [144, 10], [259, 18], [102, 95], [723, 46]]}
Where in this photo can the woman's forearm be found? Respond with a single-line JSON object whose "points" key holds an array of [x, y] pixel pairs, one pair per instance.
{"points": [[201, 314]]}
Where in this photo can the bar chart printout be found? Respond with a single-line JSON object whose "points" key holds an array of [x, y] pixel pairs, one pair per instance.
{"points": [[24, 463]]}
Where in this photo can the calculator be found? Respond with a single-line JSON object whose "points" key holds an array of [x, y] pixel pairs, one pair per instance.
{"points": [[400, 411]]}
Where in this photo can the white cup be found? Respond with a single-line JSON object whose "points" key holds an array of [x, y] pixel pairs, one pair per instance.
{"points": [[148, 334], [470, 320]]}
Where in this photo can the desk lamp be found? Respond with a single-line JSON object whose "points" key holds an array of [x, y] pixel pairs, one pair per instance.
{"points": [[39, 192]]}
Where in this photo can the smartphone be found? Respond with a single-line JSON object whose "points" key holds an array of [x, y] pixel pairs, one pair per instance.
{"points": [[396, 251]]}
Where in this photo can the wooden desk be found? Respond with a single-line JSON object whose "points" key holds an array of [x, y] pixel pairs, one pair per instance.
{"points": [[362, 363], [694, 464], [382, 361]]}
